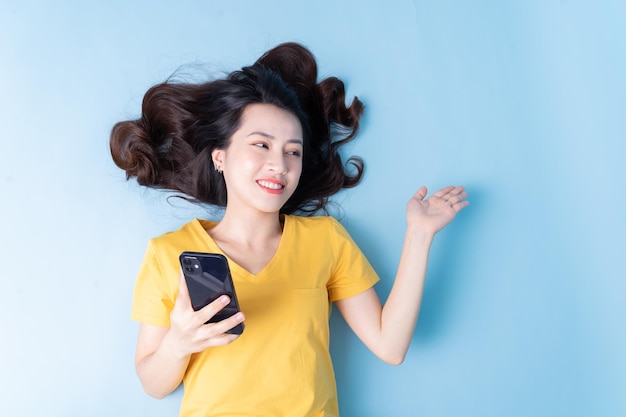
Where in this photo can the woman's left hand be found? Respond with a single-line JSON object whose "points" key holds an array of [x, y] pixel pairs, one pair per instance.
{"points": [[432, 214]]}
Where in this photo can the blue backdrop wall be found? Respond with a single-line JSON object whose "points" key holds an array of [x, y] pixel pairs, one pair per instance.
{"points": [[521, 101]]}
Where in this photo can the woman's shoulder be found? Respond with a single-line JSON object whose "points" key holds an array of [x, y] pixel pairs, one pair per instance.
{"points": [[185, 228], [319, 226], [313, 222], [189, 232]]}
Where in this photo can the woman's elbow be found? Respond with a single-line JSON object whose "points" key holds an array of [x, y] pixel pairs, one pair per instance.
{"points": [[156, 388], [392, 358], [155, 393], [395, 361]]}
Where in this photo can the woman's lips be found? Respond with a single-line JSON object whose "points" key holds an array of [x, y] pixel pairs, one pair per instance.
{"points": [[272, 186]]}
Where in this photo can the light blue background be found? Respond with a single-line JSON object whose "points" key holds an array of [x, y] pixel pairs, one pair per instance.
{"points": [[521, 101]]}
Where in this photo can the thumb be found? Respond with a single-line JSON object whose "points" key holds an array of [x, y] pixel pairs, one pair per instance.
{"points": [[421, 193]]}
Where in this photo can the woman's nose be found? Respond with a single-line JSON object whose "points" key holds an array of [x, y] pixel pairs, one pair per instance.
{"points": [[278, 164]]}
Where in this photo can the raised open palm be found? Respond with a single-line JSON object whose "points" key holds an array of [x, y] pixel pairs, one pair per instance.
{"points": [[433, 213]]}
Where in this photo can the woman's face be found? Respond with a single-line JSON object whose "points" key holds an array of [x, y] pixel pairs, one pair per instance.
{"points": [[263, 162]]}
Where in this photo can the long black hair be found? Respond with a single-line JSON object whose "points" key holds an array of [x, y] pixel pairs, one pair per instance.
{"points": [[169, 146]]}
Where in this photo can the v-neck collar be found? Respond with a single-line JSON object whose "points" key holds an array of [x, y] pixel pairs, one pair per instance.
{"points": [[201, 226]]}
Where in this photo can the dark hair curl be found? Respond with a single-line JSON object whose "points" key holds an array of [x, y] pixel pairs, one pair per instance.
{"points": [[169, 147]]}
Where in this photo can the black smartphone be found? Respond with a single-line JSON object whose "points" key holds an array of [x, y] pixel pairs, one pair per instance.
{"points": [[208, 277]]}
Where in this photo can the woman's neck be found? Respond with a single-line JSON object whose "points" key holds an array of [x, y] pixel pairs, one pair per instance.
{"points": [[247, 229], [251, 241]]}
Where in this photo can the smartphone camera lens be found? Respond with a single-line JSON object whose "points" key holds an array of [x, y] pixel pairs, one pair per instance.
{"points": [[187, 261], [189, 269]]}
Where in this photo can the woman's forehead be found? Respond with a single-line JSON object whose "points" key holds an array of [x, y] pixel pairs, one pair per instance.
{"points": [[271, 122]]}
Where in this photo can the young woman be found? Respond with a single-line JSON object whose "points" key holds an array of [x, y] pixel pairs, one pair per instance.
{"points": [[263, 143]]}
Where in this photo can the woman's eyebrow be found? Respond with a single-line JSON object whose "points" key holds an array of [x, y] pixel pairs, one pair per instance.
{"points": [[267, 135], [257, 132]]}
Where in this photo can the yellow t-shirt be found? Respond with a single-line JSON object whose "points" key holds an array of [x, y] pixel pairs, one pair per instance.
{"points": [[280, 366]]}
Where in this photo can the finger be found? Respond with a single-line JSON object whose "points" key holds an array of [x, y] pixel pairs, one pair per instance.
{"points": [[460, 205], [457, 190], [453, 198], [459, 193], [225, 325], [221, 340], [450, 194], [443, 192], [421, 193], [211, 309]]}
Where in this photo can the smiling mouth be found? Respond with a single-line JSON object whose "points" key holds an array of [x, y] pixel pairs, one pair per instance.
{"points": [[271, 185]]}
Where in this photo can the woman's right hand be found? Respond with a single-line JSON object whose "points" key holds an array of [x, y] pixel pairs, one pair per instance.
{"points": [[188, 332], [163, 352]]}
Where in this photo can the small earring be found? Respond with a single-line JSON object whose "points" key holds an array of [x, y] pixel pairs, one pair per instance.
{"points": [[218, 169]]}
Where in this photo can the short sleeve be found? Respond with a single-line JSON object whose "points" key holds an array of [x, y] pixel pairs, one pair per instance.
{"points": [[352, 273], [154, 294]]}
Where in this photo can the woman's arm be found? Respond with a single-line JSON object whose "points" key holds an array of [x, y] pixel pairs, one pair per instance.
{"points": [[387, 331], [163, 353], [159, 369]]}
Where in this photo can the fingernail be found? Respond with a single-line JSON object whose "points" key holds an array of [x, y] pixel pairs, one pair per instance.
{"points": [[239, 317], [224, 299]]}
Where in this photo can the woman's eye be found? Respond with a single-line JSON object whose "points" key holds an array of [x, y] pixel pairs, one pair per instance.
{"points": [[261, 145], [294, 153]]}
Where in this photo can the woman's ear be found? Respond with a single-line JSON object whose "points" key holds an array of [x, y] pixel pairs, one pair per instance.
{"points": [[218, 158]]}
